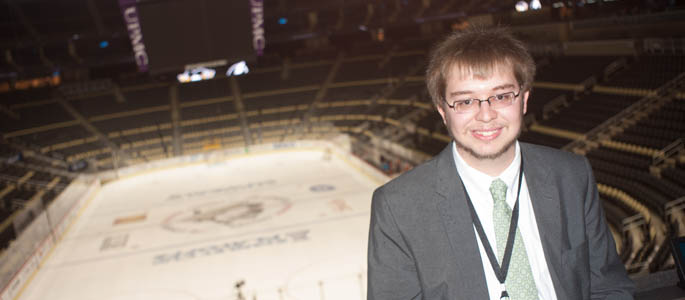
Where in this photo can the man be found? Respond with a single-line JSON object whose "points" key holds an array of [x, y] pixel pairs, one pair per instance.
{"points": [[489, 217]]}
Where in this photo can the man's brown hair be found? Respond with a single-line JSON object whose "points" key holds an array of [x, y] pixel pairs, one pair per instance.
{"points": [[478, 52]]}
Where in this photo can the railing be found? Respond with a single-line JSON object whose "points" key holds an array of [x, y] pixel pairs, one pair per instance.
{"points": [[634, 228], [614, 67], [554, 106], [667, 152], [588, 83], [628, 116], [675, 211]]}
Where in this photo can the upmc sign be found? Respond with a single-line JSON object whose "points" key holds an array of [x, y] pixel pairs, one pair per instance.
{"points": [[258, 40], [130, 13]]}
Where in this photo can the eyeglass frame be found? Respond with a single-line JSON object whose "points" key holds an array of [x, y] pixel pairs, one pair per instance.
{"points": [[454, 103]]}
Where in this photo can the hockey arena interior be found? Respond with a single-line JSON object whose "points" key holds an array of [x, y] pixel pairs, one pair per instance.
{"points": [[205, 150]]}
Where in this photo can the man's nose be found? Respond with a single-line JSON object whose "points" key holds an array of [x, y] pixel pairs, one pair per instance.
{"points": [[485, 113]]}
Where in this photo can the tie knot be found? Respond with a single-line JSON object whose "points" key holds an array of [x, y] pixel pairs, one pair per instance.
{"points": [[498, 190]]}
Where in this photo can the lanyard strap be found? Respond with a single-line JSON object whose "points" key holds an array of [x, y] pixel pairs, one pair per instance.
{"points": [[500, 272]]}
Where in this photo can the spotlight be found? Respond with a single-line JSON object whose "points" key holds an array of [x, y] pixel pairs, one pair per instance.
{"points": [[535, 5], [183, 77], [196, 74], [521, 6], [238, 68]]}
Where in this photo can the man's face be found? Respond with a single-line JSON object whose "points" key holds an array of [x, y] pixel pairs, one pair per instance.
{"points": [[487, 133]]}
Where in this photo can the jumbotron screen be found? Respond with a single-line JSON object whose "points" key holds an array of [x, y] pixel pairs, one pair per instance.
{"points": [[177, 33]]}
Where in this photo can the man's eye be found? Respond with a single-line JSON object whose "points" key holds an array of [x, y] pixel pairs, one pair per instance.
{"points": [[466, 102], [506, 96]]}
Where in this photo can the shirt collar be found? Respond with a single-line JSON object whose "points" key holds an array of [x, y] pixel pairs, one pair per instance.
{"points": [[473, 177]]}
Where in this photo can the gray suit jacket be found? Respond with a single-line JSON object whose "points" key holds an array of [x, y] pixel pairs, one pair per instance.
{"points": [[422, 244]]}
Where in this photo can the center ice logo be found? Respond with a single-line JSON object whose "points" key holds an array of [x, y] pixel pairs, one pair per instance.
{"points": [[220, 214]]}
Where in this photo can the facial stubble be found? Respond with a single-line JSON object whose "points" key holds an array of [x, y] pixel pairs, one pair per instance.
{"points": [[496, 155]]}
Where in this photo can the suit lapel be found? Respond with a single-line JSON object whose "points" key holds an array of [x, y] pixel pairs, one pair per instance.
{"points": [[456, 218], [547, 208]]}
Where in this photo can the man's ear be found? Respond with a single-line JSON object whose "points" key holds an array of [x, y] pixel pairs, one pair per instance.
{"points": [[525, 101], [441, 111]]}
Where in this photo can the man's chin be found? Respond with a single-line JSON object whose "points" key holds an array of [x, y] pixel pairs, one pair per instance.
{"points": [[482, 154]]}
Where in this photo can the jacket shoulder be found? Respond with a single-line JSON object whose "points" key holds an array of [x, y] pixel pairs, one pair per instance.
{"points": [[566, 168], [552, 156]]}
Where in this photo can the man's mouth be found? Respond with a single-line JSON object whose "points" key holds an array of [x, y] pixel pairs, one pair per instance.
{"points": [[487, 134]]}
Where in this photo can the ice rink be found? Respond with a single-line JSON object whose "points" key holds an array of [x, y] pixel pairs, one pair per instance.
{"points": [[291, 224]]}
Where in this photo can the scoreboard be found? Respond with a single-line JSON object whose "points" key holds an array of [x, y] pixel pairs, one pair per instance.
{"points": [[168, 35]]}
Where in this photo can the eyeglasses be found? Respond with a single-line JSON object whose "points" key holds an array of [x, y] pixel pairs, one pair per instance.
{"points": [[472, 104]]}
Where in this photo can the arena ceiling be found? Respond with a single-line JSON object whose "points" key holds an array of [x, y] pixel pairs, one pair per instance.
{"points": [[38, 37]]}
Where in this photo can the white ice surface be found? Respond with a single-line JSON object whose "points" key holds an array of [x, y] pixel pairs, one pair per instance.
{"points": [[292, 225]]}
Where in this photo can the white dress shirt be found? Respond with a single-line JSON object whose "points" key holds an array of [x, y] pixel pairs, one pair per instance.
{"points": [[478, 186]]}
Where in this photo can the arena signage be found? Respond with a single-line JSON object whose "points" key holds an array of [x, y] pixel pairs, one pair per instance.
{"points": [[130, 13], [232, 246], [258, 40]]}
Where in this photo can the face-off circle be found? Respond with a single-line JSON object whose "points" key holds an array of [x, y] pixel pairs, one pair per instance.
{"points": [[216, 215]]}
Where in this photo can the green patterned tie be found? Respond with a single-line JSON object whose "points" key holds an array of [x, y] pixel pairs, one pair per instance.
{"points": [[520, 284]]}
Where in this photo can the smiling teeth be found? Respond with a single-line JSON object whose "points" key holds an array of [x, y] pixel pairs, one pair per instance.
{"points": [[487, 133]]}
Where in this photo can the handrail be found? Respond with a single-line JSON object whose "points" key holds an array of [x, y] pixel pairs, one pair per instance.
{"points": [[669, 151], [668, 206], [589, 82], [641, 107], [614, 67], [552, 106]]}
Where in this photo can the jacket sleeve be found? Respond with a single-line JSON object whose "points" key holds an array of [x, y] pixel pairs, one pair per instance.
{"points": [[391, 270], [608, 277]]}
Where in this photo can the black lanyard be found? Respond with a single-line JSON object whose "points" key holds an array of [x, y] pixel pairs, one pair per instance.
{"points": [[500, 272]]}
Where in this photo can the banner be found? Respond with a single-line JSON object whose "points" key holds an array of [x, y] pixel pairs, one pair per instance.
{"points": [[258, 40], [130, 14]]}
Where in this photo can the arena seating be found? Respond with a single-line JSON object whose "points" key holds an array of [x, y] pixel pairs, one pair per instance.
{"points": [[543, 139], [572, 69], [589, 111], [375, 90], [649, 71], [660, 129]]}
